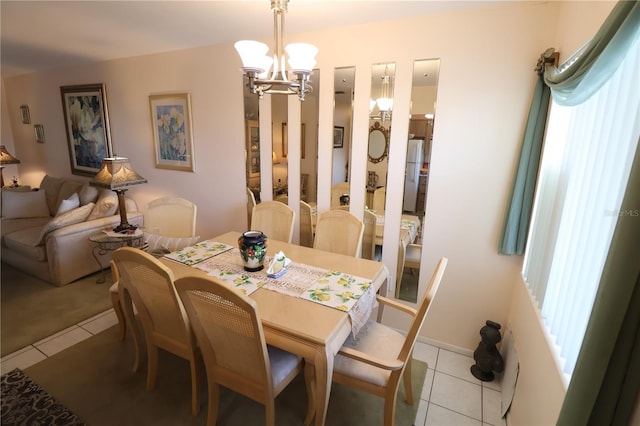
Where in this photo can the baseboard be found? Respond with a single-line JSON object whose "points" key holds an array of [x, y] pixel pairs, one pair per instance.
{"points": [[447, 346]]}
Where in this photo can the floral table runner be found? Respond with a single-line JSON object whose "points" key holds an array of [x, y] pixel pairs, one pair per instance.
{"points": [[330, 288], [198, 252]]}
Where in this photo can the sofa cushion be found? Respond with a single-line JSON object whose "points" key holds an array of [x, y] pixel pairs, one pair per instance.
{"points": [[69, 204], [88, 194], [67, 189], [51, 185], [9, 226], [24, 204], [107, 205], [24, 242], [76, 215]]}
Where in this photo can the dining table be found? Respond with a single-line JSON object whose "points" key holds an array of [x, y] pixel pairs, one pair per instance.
{"points": [[297, 324]]}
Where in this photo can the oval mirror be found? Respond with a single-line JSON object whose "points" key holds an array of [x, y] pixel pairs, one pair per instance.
{"points": [[378, 143]]}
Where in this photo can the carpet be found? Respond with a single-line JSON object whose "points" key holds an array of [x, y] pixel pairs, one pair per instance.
{"points": [[32, 309], [93, 379], [24, 402]]}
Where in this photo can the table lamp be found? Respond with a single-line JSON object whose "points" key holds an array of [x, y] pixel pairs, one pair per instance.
{"points": [[117, 174], [5, 158]]}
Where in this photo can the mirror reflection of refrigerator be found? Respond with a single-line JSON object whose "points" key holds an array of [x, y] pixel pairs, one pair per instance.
{"points": [[412, 174]]}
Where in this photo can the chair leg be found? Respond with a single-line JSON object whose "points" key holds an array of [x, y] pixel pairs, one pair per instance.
{"points": [[214, 397], [390, 409], [406, 378], [270, 413], [309, 380], [152, 364], [122, 321], [195, 386], [127, 307]]}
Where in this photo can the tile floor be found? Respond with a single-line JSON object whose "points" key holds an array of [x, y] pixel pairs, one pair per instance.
{"points": [[450, 396]]}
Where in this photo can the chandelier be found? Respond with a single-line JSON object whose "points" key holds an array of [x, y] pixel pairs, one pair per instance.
{"points": [[385, 101], [256, 63]]}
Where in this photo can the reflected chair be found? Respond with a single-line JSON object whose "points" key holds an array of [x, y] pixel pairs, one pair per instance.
{"points": [[369, 236], [339, 231], [149, 284], [229, 331], [274, 219], [379, 198], [336, 191], [251, 203], [306, 225], [170, 224], [402, 249], [412, 256], [380, 356]]}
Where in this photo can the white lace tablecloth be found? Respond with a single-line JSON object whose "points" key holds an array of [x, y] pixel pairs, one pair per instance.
{"points": [[334, 289]]}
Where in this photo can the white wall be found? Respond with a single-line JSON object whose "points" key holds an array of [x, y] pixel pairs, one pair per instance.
{"points": [[486, 80], [540, 383]]}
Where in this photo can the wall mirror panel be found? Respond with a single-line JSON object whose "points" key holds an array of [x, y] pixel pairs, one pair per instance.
{"points": [[380, 113], [309, 162], [420, 138], [344, 83], [280, 162], [251, 149]]}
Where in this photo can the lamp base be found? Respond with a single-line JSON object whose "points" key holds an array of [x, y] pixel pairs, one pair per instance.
{"points": [[124, 228]]}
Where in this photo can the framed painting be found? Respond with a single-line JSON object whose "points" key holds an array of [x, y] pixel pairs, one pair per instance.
{"points": [[338, 137], [87, 123], [172, 131], [285, 141], [253, 149]]}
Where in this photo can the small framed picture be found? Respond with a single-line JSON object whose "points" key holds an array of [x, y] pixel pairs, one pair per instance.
{"points": [[338, 137], [24, 113], [39, 130], [172, 131]]}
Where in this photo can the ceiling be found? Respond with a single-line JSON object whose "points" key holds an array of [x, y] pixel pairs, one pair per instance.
{"points": [[40, 35]]}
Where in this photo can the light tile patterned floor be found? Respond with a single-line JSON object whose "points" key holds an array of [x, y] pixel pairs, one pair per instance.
{"points": [[450, 396]]}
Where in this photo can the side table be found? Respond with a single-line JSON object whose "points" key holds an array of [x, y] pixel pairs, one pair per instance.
{"points": [[17, 188], [105, 244]]}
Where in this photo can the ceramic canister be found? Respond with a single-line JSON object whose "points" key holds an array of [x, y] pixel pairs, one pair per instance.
{"points": [[253, 248]]}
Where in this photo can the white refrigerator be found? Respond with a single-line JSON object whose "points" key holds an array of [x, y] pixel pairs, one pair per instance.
{"points": [[412, 174]]}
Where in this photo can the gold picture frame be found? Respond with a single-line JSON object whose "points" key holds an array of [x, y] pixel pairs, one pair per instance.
{"points": [[172, 131]]}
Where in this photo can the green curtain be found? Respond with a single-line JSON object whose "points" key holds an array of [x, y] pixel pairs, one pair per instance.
{"points": [[606, 380], [591, 66], [516, 224]]}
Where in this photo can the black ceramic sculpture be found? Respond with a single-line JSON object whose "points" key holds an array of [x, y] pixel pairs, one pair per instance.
{"points": [[486, 355]]}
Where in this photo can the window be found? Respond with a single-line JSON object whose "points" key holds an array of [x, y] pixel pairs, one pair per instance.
{"points": [[583, 175]]}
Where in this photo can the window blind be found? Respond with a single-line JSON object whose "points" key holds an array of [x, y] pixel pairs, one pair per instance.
{"points": [[584, 170]]}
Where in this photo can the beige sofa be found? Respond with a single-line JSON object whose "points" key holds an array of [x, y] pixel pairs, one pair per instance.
{"points": [[45, 233]]}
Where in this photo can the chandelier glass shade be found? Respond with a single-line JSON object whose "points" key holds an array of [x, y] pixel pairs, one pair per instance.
{"points": [[268, 74]]}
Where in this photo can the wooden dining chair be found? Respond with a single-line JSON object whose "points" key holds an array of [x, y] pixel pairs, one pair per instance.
{"points": [[229, 331], [379, 198], [380, 356], [369, 235], [336, 191], [251, 203], [274, 219], [171, 217], [164, 320], [339, 231], [306, 225]]}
